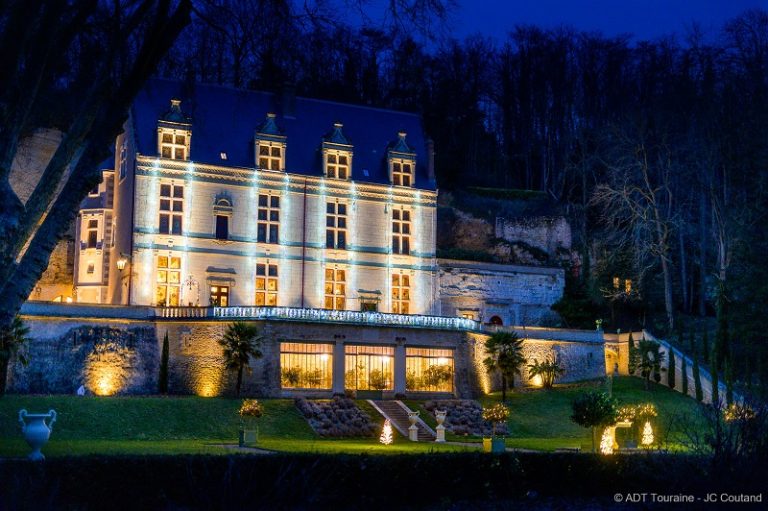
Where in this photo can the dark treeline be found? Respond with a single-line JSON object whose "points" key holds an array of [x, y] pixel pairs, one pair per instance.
{"points": [[656, 150]]}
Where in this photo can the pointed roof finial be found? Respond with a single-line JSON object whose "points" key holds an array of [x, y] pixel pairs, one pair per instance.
{"points": [[175, 114], [336, 135], [269, 126]]}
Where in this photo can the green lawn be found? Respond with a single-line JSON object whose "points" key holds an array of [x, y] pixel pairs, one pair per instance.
{"points": [[147, 425]]}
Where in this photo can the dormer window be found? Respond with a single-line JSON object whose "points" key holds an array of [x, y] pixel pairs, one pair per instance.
{"points": [[402, 162], [174, 133], [337, 154], [270, 145], [337, 164]]}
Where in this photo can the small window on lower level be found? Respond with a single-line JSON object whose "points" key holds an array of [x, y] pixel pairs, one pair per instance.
{"points": [[220, 296], [306, 365]]}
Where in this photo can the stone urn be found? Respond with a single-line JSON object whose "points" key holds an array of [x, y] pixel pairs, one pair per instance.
{"points": [[36, 431], [413, 430], [440, 429]]}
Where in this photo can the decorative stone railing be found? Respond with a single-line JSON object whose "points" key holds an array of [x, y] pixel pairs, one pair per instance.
{"points": [[549, 334], [318, 315]]}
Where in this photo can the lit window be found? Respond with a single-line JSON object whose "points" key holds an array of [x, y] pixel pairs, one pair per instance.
{"points": [[220, 296], [369, 367], [266, 285], [335, 289], [223, 155], [93, 234], [401, 231], [616, 282], [401, 294], [168, 281], [270, 155], [627, 286], [171, 208], [306, 366], [429, 370], [402, 172], [174, 144], [336, 225], [268, 225], [337, 164]]}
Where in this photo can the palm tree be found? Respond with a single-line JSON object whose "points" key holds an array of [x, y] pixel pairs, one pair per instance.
{"points": [[11, 339], [241, 341], [505, 355]]}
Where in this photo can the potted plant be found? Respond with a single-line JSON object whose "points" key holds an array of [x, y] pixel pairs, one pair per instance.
{"points": [[249, 411], [496, 415]]}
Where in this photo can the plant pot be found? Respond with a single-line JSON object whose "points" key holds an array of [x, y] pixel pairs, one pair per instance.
{"points": [[486, 445], [498, 445], [247, 437]]}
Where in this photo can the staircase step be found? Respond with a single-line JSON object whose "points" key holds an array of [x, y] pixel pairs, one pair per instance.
{"points": [[397, 413]]}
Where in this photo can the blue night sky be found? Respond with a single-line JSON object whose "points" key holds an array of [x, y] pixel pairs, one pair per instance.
{"points": [[645, 19]]}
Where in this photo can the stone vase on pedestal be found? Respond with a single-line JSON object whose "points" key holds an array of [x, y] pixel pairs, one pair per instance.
{"points": [[413, 430], [440, 429], [35, 430]]}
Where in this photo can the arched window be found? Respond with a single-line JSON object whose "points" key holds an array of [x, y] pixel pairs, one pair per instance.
{"points": [[222, 211], [495, 320]]}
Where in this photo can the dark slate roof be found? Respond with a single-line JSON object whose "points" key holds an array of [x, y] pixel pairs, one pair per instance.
{"points": [[225, 119]]}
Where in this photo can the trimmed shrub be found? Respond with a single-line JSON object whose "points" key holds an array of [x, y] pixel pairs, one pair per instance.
{"points": [[338, 417]]}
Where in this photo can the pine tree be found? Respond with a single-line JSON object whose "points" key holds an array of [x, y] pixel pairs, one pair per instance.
{"points": [[162, 380], [671, 369], [715, 383], [634, 356], [684, 370]]}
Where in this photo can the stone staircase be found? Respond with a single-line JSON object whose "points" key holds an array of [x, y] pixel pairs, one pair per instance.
{"points": [[397, 413]]}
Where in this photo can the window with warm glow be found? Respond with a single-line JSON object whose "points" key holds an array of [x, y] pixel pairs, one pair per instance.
{"points": [[306, 366], [171, 208], [270, 155], [369, 367], [168, 281], [335, 289], [402, 172], [268, 225], [401, 293], [93, 234], [401, 231], [336, 225], [627, 286], [266, 285], [220, 296], [429, 370], [337, 164], [174, 144]]}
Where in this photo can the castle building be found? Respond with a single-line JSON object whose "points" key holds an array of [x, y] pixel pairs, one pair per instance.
{"points": [[313, 218]]}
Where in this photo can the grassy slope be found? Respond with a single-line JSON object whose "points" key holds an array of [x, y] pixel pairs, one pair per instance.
{"points": [[145, 425]]}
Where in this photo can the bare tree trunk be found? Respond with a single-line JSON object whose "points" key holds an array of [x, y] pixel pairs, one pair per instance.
{"points": [[683, 272], [703, 245]]}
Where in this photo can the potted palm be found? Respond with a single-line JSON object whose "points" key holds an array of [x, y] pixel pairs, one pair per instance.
{"points": [[249, 411], [496, 415]]}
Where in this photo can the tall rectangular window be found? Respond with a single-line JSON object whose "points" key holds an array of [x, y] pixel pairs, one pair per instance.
{"points": [[93, 233], [222, 227], [168, 281], [335, 289], [337, 165], [306, 366], [369, 367], [171, 208], [270, 156], [402, 172], [173, 145], [268, 225], [429, 370], [220, 296], [266, 285], [401, 294], [401, 231], [336, 225]]}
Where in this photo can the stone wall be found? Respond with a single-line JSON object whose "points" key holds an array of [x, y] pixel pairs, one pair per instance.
{"points": [[71, 346], [106, 357], [517, 295]]}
